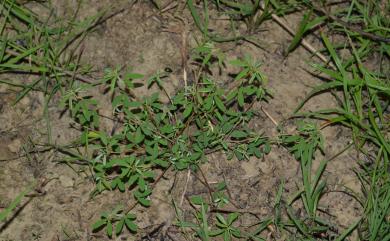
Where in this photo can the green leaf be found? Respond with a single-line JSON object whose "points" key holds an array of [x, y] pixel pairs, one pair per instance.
{"points": [[239, 134], [161, 163], [196, 156], [258, 153], [267, 148], [134, 76], [109, 229], [14, 203], [242, 74], [142, 185], [232, 217], [167, 129], [121, 186], [239, 155], [217, 232], [134, 104], [238, 62], [221, 219], [131, 216], [132, 227], [231, 95], [119, 226], [240, 97], [197, 200], [196, 17], [97, 225], [187, 112], [301, 31], [208, 103], [146, 128], [133, 179], [143, 201], [148, 175], [220, 104], [226, 236], [139, 137]]}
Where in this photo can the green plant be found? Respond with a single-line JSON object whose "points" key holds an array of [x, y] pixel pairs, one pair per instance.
{"points": [[219, 197], [47, 50], [376, 185], [38, 48], [206, 54], [225, 227], [115, 216], [362, 105], [362, 110], [201, 227], [5, 213], [155, 136], [150, 137], [304, 145], [208, 222], [202, 22]]}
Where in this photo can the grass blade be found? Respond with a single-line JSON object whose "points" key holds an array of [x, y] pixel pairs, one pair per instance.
{"points": [[14, 203]]}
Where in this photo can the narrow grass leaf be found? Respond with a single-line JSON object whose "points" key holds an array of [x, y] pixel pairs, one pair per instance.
{"points": [[340, 67], [2, 50], [300, 32], [21, 67], [263, 226], [21, 13], [378, 133], [298, 223], [239, 134], [25, 91], [196, 16], [24, 54], [14, 203], [317, 90], [205, 227], [349, 230], [319, 173]]}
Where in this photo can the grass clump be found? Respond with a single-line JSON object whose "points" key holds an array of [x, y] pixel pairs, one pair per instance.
{"points": [[363, 102], [361, 90]]}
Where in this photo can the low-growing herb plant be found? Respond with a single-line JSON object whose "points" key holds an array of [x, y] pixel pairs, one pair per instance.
{"points": [[107, 219], [225, 227], [155, 136]]}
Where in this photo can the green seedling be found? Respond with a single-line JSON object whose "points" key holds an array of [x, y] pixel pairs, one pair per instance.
{"points": [[206, 53], [303, 146], [115, 221], [219, 197], [12, 206], [225, 227], [250, 79], [305, 26], [201, 227]]}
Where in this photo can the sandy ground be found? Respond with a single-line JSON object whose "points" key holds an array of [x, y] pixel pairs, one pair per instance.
{"points": [[138, 38]]}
